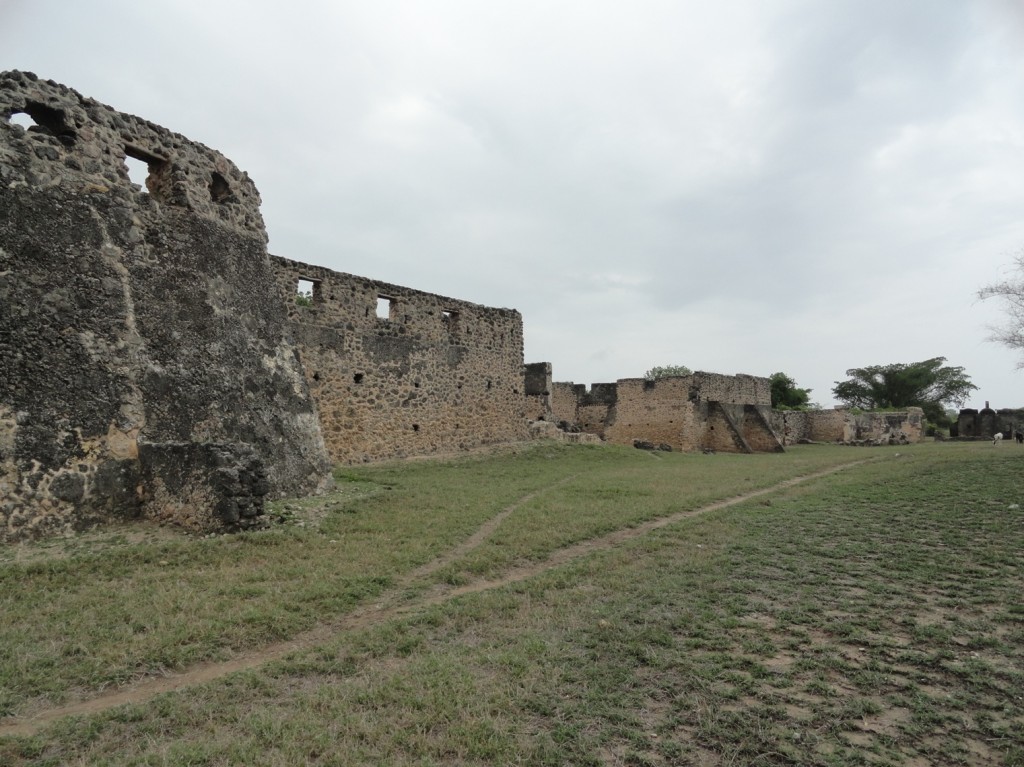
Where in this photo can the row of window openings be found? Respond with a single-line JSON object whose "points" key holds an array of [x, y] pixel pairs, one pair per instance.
{"points": [[360, 377], [140, 166], [141, 169], [308, 293]]}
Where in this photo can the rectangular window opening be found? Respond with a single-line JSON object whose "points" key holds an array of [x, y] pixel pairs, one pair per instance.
{"points": [[450, 318], [138, 171], [385, 307], [307, 292], [144, 168]]}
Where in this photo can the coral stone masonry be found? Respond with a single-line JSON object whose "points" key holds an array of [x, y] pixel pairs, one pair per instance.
{"points": [[156, 361], [398, 372], [701, 411], [144, 362]]}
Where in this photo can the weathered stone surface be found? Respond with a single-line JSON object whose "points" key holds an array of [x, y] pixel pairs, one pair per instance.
{"points": [[701, 411], [433, 374], [548, 430], [841, 425], [204, 487], [131, 315]]}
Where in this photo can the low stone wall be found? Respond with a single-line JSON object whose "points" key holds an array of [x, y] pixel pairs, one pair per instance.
{"points": [[841, 425], [682, 412], [548, 430]]}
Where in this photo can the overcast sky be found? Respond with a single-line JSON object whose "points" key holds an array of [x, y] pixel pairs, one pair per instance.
{"points": [[738, 186]]}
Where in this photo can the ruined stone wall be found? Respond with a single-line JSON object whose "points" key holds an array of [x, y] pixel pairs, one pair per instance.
{"points": [[721, 432], [841, 425], [1009, 421], [674, 411], [434, 374], [659, 412], [565, 401], [537, 383], [731, 389], [813, 425], [135, 318], [596, 408], [757, 430]]}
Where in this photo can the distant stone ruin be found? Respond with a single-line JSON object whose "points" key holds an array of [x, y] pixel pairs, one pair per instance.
{"points": [[986, 423], [850, 428], [701, 411]]}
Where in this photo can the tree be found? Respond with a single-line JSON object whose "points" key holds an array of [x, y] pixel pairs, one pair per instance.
{"points": [[786, 394], [928, 385], [1011, 291], [667, 371]]}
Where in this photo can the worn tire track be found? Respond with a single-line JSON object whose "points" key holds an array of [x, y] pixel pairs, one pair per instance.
{"points": [[386, 608]]}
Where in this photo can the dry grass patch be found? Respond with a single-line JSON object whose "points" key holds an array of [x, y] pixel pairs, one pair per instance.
{"points": [[871, 617]]}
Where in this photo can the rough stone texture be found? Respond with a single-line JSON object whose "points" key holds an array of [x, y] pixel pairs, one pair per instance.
{"points": [[435, 374], [548, 430], [204, 487], [538, 386], [565, 401], [840, 425], [650, 411], [132, 316], [702, 411], [811, 425]]}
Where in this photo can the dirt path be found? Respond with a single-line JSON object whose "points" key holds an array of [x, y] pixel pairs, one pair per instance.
{"points": [[479, 536], [388, 606]]}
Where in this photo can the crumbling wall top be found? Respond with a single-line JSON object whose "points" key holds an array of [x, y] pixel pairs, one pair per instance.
{"points": [[78, 142]]}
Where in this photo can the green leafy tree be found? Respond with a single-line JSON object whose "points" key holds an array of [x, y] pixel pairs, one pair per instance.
{"points": [[1011, 291], [667, 371], [786, 395], [929, 385]]}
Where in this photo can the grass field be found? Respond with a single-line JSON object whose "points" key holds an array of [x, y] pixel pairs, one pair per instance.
{"points": [[526, 608]]}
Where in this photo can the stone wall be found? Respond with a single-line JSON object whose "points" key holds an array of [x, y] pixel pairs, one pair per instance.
{"points": [[565, 401], [398, 372], [702, 411], [134, 321], [740, 389], [659, 412], [841, 425], [812, 425], [537, 386]]}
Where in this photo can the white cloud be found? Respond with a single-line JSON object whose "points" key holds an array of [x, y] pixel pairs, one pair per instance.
{"points": [[744, 186]]}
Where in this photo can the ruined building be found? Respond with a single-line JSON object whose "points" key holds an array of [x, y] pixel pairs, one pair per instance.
{"points": [[701, 411], [154, 360], [397, 372], [144, 363], [157, 361], [850, 427]]}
